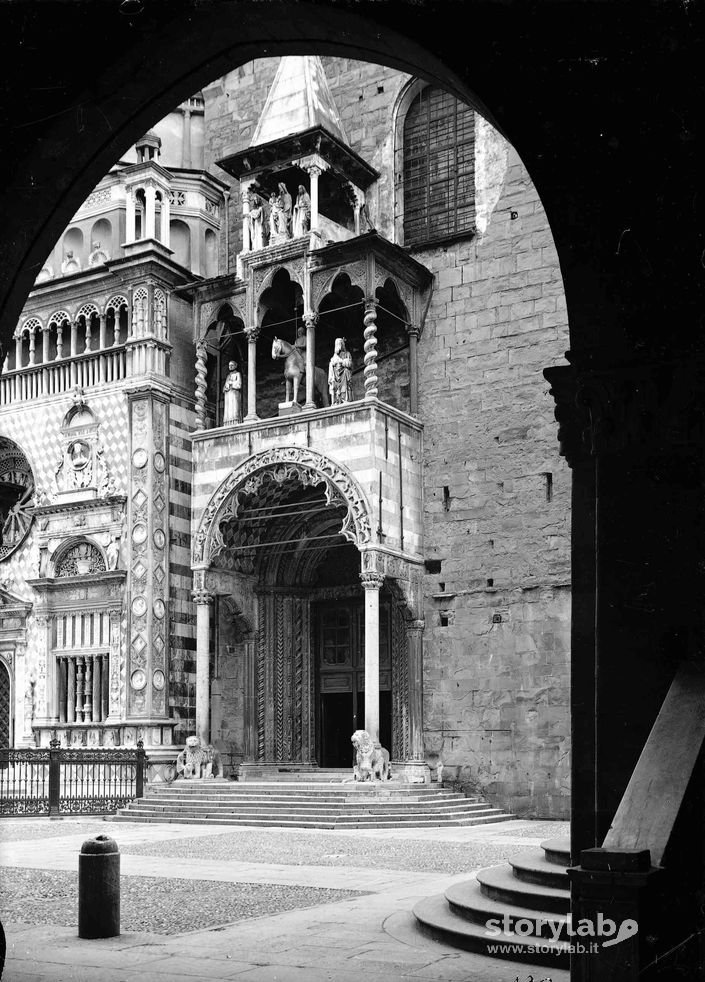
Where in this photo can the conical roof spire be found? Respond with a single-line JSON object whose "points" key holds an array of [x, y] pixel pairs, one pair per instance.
{"points": [[298, 100]]}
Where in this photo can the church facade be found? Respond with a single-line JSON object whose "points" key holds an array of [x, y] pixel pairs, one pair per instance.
{"points": [[277, 460]]}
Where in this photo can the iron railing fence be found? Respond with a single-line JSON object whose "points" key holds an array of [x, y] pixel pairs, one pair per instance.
{"points": [[66, 781]]}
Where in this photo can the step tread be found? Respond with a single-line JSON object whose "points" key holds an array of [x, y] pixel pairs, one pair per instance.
{"points": [[534, 862], [468, 896], [281, 823], [434, 912]]}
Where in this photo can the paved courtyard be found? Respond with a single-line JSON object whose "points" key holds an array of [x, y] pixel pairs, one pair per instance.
{"points": [[256, 905]]}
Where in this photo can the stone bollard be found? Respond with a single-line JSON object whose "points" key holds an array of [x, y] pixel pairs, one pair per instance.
{"points": [[99, 888]]}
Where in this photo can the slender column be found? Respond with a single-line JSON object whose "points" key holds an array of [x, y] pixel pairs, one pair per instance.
{"points": [[96, 688], [87, 346], [203, 601], [310, 321], [372, 583], [80, 670], [314, 173], [74, 338], [71, 690], [186, 140], [104, 686], [413, 371], [18, 351], [45, 344], [370, 370], [414, 644], [59, 341], [252, 335], [88, 697], [129, 216], [32, 346], [201, 383], [149, 211], [62, 664], [102, 335], [246, 237], [116, 327], [166, 216]]}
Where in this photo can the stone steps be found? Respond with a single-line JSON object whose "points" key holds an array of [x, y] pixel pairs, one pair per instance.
{"points": [[271, 804], [532, 886]]}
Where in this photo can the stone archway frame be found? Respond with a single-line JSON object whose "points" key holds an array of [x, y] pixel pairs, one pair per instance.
{"points": [[279, 464], [404, 574]]}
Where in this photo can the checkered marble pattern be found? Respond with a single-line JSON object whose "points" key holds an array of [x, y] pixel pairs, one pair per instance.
{"points": [[36, 428]]}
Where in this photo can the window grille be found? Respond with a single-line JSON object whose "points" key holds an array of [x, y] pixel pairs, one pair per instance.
{"points": [[439, 168]]}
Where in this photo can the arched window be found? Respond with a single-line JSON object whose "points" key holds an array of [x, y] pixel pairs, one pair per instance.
{"points": [[438, 167]]}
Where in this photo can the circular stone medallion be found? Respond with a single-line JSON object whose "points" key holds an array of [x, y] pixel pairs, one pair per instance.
{"points": [[138, 680], [159, 462], [158, 679], [139, 533], [139, 606], [140, 458], [159, 539], [159, 608]]}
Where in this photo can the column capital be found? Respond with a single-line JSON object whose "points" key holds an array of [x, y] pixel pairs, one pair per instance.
{"points": [[311, 319], [415, 627], [252, 333], [371, 580], [202, 597], [371, 305]]}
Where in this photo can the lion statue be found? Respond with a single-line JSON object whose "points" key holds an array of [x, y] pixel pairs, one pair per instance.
{"points": [[196, 761], [371, 763]]}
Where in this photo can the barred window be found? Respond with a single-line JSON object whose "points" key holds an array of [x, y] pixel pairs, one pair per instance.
{"points": [[439, 168]]}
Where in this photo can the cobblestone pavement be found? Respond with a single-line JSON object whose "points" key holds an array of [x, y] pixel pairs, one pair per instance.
{"points": [[251, 904]]}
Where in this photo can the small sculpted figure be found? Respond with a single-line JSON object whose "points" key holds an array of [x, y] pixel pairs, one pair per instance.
{"points": [[232, 395], [302, 213], [340, 374]]}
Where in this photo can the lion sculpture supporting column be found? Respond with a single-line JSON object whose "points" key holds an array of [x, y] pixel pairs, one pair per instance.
{"points": [[196, 761], [371, 763]]}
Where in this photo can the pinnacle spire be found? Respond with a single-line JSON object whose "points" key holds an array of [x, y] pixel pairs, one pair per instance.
{"points": [[299, 99]]}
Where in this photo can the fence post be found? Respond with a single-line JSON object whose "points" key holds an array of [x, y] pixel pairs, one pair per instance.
{"points": [[139, 777], [54, 777]]}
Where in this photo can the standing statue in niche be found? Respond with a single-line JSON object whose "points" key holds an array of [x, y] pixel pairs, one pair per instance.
{"points": [[112, 551], [340, 374], [284, 214], [232, 395], [273, 217], [256, 217], [302, 213]]}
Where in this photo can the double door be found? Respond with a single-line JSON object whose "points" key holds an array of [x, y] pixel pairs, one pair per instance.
{"points": [[341, 679]]}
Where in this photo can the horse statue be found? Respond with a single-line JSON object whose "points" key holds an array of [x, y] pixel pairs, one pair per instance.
{"points": [[295, 370]]}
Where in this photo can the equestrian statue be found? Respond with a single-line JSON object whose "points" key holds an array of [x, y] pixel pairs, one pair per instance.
{"points": [[295, 371]]}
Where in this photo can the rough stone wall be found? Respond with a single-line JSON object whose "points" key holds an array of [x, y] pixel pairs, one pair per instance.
{"points": [[496, 493], [497, 509]]}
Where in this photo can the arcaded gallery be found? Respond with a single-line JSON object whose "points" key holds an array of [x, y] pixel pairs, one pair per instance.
{"points": [[277, 459]]}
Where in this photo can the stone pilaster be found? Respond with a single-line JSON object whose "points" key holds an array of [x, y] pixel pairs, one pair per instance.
{"points": [[149, 556]]}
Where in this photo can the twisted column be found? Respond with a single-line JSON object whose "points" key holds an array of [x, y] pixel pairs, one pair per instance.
{"points": [[252, 334], [201, 383], [370, 335]]}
